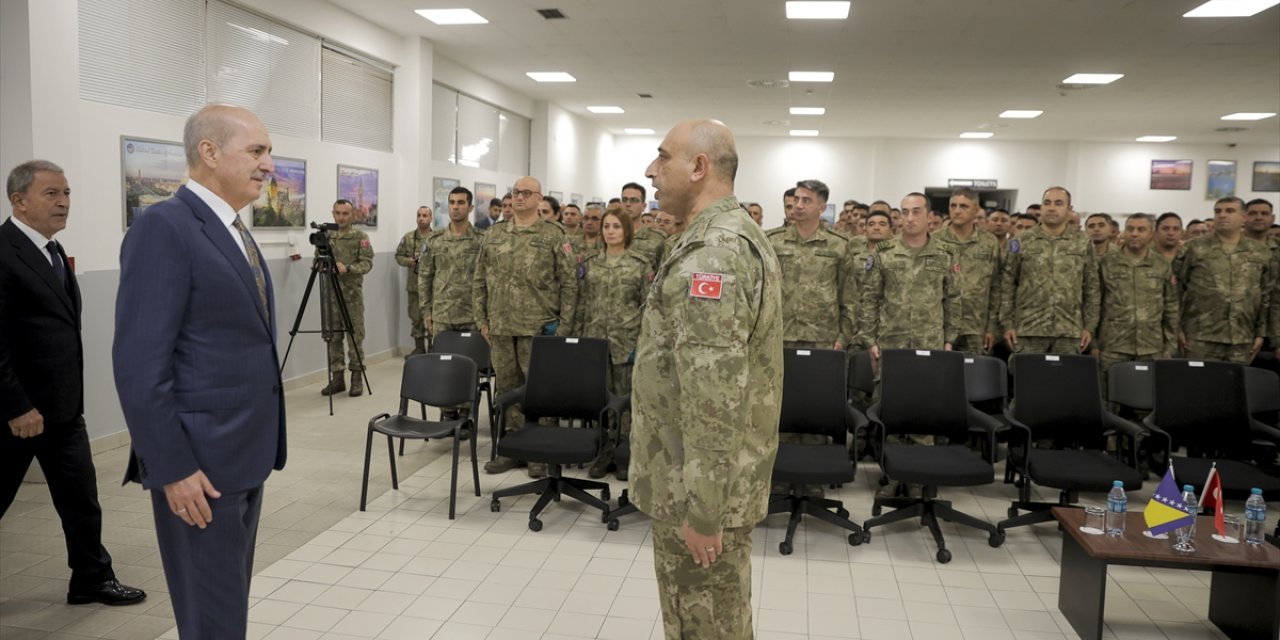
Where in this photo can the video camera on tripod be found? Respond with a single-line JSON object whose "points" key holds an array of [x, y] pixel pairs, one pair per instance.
{"points": [[320, 238]]}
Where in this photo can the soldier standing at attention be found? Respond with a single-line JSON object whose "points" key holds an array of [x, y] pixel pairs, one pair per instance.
{"points": [[646, 239], [408, 253], [1227, 283], [352, 257], [1139, 319], [818, 294], [525, 285], [1168, 242], [448, 265], [977, 256], [1049, 291], [588, 242], [707, 389]]}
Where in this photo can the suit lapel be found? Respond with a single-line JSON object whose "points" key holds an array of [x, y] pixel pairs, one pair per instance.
{"points": [[220, 236], [35, 260]]}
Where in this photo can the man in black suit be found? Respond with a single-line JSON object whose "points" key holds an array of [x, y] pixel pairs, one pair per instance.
{"points": [[42, 377]]}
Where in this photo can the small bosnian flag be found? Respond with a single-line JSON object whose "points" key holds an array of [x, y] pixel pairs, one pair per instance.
{"points": [[1166, 511], [1212, 497]]}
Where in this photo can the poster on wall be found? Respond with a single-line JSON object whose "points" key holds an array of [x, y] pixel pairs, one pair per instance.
{"points": [[283, 202], [152, 171], [1171, 175], [360, 186], [829, 215], [1222, 180], [576, 198], [483, 194], [1266, 176], [440, 201], [558, 195]]}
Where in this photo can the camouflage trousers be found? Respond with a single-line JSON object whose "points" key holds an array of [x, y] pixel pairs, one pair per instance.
{"points": [[1201, 350], [510, 355], [697, 603], [1108, 358], [971, 343], [417, 329], [1069, 345], [355, 345]]}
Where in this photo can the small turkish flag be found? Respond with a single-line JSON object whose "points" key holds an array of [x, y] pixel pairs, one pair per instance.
{"points": [[1212, 497], [706, 285]]}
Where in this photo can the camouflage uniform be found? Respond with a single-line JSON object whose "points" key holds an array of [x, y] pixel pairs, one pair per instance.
{"points": [[524, 285], [582, 249], [1226, 296], [1139, 317], [818, 294], [411, 247], [445, 279], [650, 242], [1049, 292], [706, 397], [909, 297], [978, 260], [859, 253], [350, 247]]}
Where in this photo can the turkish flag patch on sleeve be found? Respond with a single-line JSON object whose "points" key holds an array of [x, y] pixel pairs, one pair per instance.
{"points": [[706, 285]]}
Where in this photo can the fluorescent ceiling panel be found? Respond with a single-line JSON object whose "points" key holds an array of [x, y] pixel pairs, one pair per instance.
{"points": [[805, 10], [551, 76], [1230, 8], [452, 16]]}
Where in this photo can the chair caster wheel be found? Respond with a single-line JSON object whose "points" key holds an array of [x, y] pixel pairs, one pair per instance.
{"points": [[623, 500], [1013, 512], [856, 539], [843, 513], [785, 548], [884, 481], [535, 524], [944, 556], [996, 539], [604, 494], [612, 524], [495, 506]]}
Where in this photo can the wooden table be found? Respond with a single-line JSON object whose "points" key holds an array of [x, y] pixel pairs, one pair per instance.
{"points": [[1244, 600]]}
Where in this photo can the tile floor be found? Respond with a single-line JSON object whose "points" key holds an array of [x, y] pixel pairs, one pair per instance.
{"points": [[403, 570]]}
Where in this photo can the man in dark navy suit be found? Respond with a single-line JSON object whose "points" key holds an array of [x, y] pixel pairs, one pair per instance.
{"points": [[42, 377], [197, 372]]}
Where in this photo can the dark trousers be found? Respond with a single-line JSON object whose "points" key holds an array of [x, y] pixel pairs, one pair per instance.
{"points": [[208, 570], [64, 455]]}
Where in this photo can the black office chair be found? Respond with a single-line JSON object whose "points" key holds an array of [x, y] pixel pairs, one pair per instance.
{"points": [[923, 393], [1262, 387], [1202, 406], [472, 345], [566, 380], [986, 385], [813, 401], [1060, 431], [862, 383], [440, 381], [622, 458], [1131, 386]]}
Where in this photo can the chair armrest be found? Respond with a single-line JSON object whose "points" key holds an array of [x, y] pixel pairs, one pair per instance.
{"points": [[512, 397], [873, 414], [980, 422], [1264, 431], [853, 419], [378, 418], [1120, 425], [619, 404]]}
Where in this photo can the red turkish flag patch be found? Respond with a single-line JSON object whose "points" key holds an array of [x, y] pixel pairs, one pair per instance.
{"points": [[706, 285]]}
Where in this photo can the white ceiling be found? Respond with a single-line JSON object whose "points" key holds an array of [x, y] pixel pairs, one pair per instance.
{"points": [[904, 68]]}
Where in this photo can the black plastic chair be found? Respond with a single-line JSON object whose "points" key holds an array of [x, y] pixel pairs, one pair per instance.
{"points": [[1262, 387], [1203, 406], [986, 385], [1060, 431], [1131, 385], [472, 345], [862, 383], [923, 393], [813, 402], [566, 380], [436, 380]]}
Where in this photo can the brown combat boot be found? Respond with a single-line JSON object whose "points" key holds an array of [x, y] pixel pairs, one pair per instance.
{"points": [[357, 384], [336, 384]]}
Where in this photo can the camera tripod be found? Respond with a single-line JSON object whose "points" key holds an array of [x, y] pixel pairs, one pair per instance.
{"points": [[324, 269]]}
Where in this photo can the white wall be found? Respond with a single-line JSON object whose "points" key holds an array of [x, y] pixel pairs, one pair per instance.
{"points": [[572, 155]]}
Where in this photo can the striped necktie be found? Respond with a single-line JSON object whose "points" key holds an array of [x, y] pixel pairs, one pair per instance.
{"points": [[255, 264]]}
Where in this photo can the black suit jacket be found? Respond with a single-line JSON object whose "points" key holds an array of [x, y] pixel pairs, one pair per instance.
{"points": [[41, 356]]}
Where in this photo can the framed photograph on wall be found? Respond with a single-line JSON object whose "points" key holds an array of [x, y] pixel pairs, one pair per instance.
{"points": [[558, 195], [152, 171], [484, 192], [575, 198], [283, 202], [1222, 180], [1266, 176], [440, 201], [1171, 175], [360, 186]]}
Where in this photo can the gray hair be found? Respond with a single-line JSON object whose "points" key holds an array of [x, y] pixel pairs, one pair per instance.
{"points": [[24, 174], [209, 123]]}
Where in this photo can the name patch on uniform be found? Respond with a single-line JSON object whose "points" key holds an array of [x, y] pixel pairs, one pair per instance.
{"points": [[706, 285]]}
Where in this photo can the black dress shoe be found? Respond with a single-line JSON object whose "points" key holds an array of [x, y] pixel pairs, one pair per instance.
{"points": [[110, 593]]}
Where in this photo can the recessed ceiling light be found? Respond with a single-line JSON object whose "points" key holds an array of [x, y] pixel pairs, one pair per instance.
{"points": [[1247, 115], [452, 16], [1021, 113], [977, 134], [804, 133], [808, 111], [605, 109], [1093, 78], [1156, 139], [811, 76], [635, 131], [551, 76], [1230, 8], [804, 10]]}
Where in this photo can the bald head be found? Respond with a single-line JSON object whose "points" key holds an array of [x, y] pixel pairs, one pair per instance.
{"points": [[713, 138], [696, 165]]}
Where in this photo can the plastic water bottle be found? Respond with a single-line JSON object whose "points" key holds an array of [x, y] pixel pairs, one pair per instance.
{"points": [[1117, 503], [1255, 517], [1186, 536]]}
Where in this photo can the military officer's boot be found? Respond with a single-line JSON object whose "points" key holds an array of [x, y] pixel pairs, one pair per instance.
{"points": [[419, 346], [357, 384], [336, 384]]}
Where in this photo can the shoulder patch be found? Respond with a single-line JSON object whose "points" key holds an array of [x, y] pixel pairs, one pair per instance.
{"points": [[956, 267], [871, 262], [567, 248], [1014, 245], [364, 242], [706, 285], [1173, 280]]}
